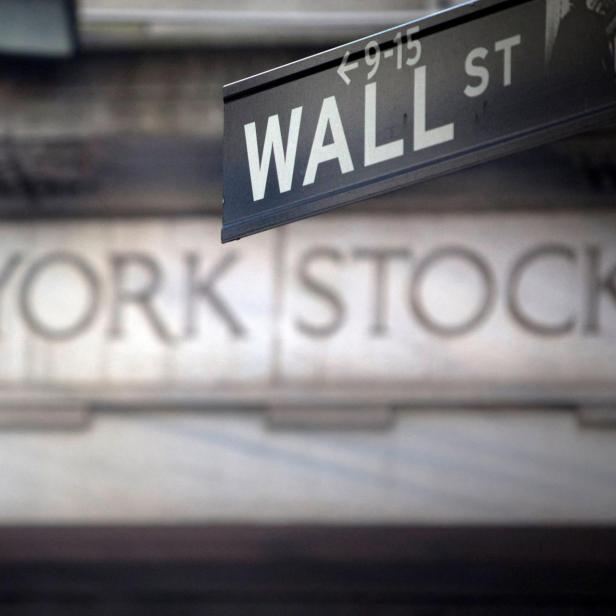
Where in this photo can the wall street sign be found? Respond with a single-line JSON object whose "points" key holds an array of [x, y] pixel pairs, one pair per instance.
{"points": [[466, 85]]}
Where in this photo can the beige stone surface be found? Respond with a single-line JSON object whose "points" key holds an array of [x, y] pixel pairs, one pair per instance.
{"points": [[433, 468]]}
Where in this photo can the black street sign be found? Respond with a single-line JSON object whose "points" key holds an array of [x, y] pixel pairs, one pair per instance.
{"points": [[458, 88]]}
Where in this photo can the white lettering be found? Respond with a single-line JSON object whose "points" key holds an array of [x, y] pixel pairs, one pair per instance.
{"points": [[506, 46], [338, 149], [435, 136], [285, 162], [373, 153], [481, 72]]}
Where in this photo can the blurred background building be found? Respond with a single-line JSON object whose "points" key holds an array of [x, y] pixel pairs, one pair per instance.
{"points": [[409, 402]]}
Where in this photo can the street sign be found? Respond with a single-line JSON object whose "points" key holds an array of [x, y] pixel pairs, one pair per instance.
{"points": [[461, 87]]}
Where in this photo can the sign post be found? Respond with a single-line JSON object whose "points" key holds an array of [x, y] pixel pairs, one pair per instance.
{"points": [[464, 86]]}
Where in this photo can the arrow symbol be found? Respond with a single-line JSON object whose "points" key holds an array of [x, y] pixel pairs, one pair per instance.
{"points": [[346, 67]]}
